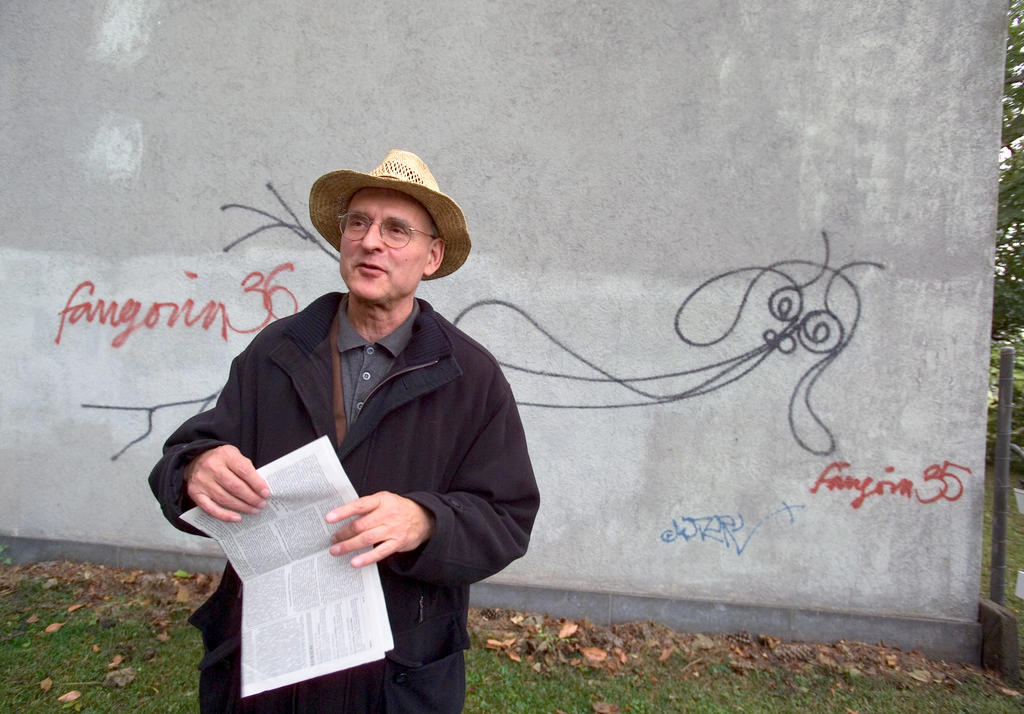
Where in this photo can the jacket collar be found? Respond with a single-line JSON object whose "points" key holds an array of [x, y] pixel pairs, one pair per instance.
{"points": [[426, 364], [311, 326]]}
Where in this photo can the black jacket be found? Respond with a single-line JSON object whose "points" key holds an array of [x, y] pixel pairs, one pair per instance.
{"points": [[441, 429]]}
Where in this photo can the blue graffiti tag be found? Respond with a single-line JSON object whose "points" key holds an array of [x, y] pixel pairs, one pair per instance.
{"points": [[724, 529]]}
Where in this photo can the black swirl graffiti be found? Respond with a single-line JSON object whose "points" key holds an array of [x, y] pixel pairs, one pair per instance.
{"points": [[276, 222], [823, 331], [150, 411]]}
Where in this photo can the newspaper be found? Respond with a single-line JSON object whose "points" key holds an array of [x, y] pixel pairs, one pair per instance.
{"points": [[305, 612]]}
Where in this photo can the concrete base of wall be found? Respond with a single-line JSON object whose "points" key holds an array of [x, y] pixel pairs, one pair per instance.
{"points": [[949, 640], [36, 550], [999, 644]]}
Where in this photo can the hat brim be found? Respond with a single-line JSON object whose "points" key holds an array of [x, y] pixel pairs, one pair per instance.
{"points": [[331, 193]]}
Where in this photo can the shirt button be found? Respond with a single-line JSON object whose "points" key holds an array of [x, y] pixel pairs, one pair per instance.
{"points": [[359, 406], [366, 376], [369, 349]]}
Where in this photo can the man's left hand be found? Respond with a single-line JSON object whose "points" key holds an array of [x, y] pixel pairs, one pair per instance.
{"points": [[386, 521]]}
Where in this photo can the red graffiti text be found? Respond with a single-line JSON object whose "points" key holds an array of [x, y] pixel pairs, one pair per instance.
{"points": [[131, 315], [939, 482]]}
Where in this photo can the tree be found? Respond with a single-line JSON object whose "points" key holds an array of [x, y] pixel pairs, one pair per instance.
{"points": [[1008, 303]]}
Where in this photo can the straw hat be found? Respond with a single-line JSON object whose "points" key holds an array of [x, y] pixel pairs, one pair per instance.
{"points": [[402, 171]]}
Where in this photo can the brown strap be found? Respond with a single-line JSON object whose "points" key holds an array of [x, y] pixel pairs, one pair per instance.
{"points": [[338, 397]]}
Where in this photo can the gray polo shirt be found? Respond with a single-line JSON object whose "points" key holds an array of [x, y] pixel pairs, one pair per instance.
{"points": [[363, 364]]}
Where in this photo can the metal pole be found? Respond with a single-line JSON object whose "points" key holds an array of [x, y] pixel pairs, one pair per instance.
{"points": [[1001, 488]]}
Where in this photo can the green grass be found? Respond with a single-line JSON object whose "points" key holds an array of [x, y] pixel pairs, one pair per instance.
{"points": [[110, 629], [107, 626], [500, 685], [78, 655]]}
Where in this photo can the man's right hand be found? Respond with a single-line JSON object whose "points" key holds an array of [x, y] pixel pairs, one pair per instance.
{"points": [[224, 483]]}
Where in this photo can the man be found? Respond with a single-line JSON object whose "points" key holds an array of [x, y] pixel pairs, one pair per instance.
{"points": [[422, 419]]}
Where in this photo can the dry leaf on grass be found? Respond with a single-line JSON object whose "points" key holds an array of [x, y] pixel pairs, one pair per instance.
{"points": [[70, 696], [119, 677], [568, 629], [53, 627], [921, 675], [826, 661], [46, 684], [118, 659], [703, 642], [594, 654], [163, 636], [506, 647], [75, 607], [606, 708], [32, 618]]}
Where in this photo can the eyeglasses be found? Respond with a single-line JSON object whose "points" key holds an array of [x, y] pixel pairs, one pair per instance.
{"points": [[394, 232]]}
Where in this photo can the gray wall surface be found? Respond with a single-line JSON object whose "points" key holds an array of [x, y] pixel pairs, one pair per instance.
{"points": [[735, 257]]}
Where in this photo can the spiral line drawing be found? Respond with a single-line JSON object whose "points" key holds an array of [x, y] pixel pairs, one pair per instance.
{"points": [[822, 330], [791, 325]]}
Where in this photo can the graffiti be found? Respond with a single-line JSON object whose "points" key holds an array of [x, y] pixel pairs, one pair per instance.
{"points": [[212, 313], [789, 323], [129, 315], [208, 316], [724, 529], [940, 483], [806, 307], [295, 225], [150, 411]]}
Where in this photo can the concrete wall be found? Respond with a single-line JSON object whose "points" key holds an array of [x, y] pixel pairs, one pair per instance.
{"points": [[733, 255]]}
